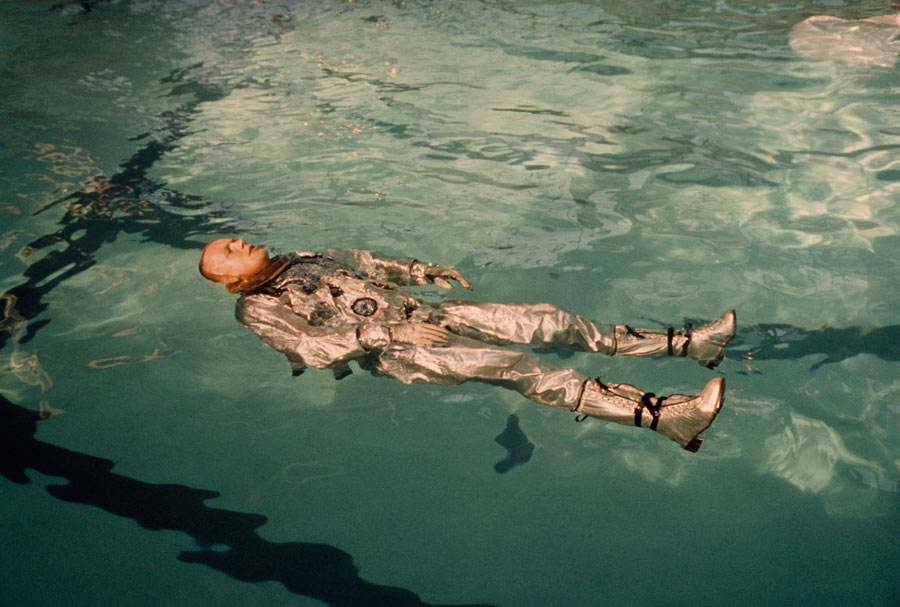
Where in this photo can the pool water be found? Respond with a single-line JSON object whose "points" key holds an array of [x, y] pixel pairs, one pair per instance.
{"points": [[653, 163]]}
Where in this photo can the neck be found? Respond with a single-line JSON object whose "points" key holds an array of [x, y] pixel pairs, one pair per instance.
{"points": [[250, 283]]}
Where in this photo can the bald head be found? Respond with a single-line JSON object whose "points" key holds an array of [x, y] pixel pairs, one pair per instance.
{"points": [[231, 261]]}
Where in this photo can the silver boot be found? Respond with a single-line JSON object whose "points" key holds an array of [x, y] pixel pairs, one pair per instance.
{"points": [[679, 417], [703, 344]]}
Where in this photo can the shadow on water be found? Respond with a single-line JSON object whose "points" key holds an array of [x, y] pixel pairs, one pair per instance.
{"points": [[320, 571], [128, 202], [783, 342]]}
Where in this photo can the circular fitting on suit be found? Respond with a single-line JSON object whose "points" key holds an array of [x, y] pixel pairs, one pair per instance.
{"points": [[365, 306]]}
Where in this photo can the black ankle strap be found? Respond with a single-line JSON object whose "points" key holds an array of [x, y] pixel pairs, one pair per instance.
{"points": [[688, 333], [647, 403], [670, 337]]}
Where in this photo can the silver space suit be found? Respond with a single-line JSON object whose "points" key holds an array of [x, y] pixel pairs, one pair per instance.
{"points": [[324, 309]]}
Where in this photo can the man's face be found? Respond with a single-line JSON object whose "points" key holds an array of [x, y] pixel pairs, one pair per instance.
{"points": [[234, 258]]}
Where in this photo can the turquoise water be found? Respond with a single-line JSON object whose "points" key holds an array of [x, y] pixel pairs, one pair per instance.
{"points": [[643, 162]]}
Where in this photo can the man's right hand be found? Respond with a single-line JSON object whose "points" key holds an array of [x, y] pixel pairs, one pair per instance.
{"points": [[425, 273], [419, 334]]}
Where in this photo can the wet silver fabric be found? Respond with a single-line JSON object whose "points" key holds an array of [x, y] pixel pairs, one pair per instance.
{"points": [[541, 326], [703, 344], [646, 342], [681, 418], [307, 313]]}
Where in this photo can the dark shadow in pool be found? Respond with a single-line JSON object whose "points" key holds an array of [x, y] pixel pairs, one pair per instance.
{"points": [[518, 447], [782, 342], [128, 202], [319, 571]]}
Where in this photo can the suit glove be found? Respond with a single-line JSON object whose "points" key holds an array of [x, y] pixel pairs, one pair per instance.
{"points": [[419, 334], [440, 275]]}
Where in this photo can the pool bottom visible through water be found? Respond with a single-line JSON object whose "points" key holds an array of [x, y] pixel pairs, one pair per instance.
{"points": [[631, 163]]}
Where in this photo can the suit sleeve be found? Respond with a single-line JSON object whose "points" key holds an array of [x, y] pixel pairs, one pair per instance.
{"points": [[397, 270]]}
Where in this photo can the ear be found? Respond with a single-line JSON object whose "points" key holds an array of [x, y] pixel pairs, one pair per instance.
{"points": [[233, 284]]}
